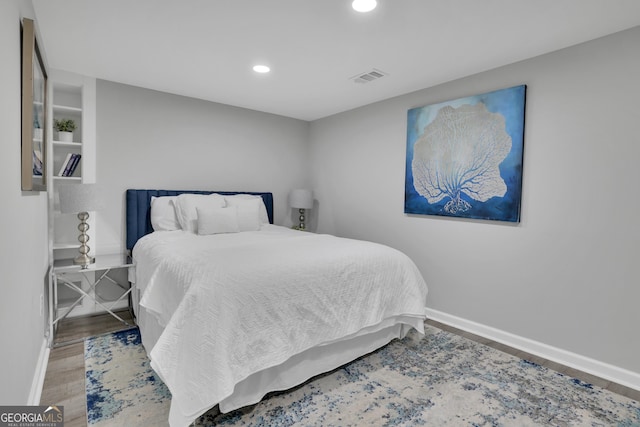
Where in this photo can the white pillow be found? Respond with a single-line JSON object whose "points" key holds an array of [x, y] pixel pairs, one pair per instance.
{"points": [[237, 199], [186, 205], [249, 214], [218, 220], [163, 214]]}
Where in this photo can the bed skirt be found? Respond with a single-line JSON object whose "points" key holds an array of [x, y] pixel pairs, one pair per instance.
{"points": [[297, 369]]}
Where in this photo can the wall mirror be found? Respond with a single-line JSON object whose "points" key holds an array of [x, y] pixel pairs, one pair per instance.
{"points": [[34, 91]]}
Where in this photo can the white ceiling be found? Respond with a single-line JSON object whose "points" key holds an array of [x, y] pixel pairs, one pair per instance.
{"points": [[206, 48]]}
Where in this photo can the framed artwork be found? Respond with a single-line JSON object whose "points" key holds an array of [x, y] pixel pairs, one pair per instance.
{"points": [[464, 157], [34, 91]]}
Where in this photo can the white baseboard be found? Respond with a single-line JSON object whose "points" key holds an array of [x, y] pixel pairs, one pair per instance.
{"points": [[591, 366], [39, 374]]}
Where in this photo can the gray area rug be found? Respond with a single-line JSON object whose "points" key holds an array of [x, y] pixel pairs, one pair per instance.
{"points": [[439, 380]]}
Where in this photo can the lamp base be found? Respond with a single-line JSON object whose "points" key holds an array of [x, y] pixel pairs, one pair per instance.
{"points": [[84, 260], [301, 219]]}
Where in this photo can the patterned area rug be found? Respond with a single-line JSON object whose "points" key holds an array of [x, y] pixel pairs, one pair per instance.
{"points": [[439, 380], [122, 389]]}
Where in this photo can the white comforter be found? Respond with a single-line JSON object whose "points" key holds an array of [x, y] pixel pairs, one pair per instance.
{"points": [[236, 304]]}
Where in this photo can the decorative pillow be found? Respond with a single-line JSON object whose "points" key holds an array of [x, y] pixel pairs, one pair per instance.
{"points": [[218, 220], [237, 199], [249, 214], [187, 204], [163, 214]]}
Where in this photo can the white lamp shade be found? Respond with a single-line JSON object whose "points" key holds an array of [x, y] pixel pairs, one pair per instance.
{"points": [[75, 198], [301, 199]]}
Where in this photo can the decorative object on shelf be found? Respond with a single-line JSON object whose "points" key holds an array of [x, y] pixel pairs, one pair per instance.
{"points": [[70, 164], [301, 199], [80, 199], [464, 157], [34, 90], [65, 128]]}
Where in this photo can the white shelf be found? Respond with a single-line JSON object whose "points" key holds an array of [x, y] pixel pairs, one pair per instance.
{"points": [[66, 109], [60, 246], [67, 178], [67, 144], [57, 212]]}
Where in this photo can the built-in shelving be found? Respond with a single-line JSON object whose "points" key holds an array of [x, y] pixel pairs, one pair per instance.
{"points": [[72, 97]]}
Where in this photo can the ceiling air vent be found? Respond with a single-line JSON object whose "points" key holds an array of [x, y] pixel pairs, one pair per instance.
{"points": [[369, 76]]}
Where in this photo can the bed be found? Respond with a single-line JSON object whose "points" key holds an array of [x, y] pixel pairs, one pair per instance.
{"points": [[231, 307]]}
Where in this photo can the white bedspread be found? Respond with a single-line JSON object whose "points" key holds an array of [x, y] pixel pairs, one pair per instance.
{"points": [[236, 304]]}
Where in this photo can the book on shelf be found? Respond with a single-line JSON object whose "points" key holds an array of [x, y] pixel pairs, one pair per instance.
{"points": [[70, 164], [65, 164], [74, 165], [76, 162], [67, 168]]}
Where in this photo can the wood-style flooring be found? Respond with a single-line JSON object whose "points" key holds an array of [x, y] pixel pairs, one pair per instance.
{"points": [[64, 380]]}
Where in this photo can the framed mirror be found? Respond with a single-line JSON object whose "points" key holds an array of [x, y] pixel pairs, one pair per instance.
{"points": [[34, 92]]}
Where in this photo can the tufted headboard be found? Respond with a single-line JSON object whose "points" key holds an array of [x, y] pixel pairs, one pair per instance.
{"points": [[138, 209]]}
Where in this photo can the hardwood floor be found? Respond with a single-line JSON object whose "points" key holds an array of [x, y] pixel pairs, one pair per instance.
{"points": [[64, 380]]}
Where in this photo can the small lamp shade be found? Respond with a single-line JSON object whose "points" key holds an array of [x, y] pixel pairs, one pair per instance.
{"points": [[76, 198], [301, 199]]}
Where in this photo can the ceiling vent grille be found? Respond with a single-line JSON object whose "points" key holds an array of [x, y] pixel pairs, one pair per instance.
{"points": [[369, 76]]}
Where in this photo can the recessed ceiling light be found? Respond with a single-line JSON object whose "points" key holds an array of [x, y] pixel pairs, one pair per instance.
{"points": [[364, 5], [261, 69]]}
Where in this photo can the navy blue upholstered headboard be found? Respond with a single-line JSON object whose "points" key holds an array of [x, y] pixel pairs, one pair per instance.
{"points": [[139, 209]]}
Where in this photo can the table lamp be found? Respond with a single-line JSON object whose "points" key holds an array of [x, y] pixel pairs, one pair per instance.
{"points": [[80, 199], [301, 199]]}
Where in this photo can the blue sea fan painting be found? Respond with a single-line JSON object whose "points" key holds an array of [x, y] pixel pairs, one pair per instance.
{"points": [[464, 157]]}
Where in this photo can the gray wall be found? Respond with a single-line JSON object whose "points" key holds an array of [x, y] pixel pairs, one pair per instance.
{"points": [[23, 229], [150, 139], [566, 275]]}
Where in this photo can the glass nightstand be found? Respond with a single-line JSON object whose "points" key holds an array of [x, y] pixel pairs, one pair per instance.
{"points": [[63, 272]]}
